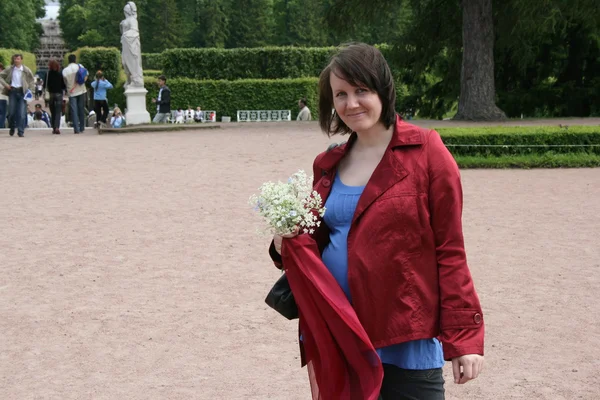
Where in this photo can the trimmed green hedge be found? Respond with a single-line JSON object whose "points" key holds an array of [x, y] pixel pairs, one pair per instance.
{"points": [[249, 63], [521, 141], [574, 160], [151, 61], [226, 97], [152, 73], [28, 58], [246, 63]]}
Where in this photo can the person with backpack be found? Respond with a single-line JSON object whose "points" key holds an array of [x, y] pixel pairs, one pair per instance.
{"points": [[75, 76]]}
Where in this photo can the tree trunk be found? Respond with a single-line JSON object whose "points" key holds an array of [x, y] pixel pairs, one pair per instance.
{"points": [[477, 90]]}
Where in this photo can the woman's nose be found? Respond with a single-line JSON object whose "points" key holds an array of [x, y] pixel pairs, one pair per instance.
{"points": [[351, 101]]}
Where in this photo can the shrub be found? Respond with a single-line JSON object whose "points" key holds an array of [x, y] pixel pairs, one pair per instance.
{"points": [[248, 63], [151, 61], [226, 97], [515, 141], [28, 58]]}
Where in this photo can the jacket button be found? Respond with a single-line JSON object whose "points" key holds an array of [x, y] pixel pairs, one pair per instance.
{"points": [[326, 182], [477, 318]]}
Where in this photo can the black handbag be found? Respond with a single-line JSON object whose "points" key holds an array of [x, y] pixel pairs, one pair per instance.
{"points": [[281, 299]]}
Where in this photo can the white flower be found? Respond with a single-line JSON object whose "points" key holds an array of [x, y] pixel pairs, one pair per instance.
{"points": [[289, 206]]}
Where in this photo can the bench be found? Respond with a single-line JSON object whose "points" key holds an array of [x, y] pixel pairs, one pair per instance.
{"points": [[263, 115], [209, 116]]}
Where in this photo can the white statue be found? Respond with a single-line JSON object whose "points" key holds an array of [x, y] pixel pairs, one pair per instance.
{"points": [[131, 56]]}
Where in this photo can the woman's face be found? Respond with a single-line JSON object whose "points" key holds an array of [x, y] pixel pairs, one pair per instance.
{"points": [[359, 107]]}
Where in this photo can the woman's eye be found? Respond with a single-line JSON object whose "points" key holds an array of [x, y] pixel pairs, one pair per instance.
{"points": [[361, 90], [340, 94]]}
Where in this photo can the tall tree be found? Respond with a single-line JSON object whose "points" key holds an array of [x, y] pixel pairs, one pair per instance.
{"points": [[300, 23], [477, 100], [72, 16], [250, 23], [19, 29], [160, 26], [430, 40], [212, 24]]}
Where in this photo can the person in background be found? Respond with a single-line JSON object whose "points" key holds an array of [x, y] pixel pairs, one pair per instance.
{"points": [[37, 121], [189, 115], [55, 85], [45, 117], [163, 102], [100, 86], [18, 80], [39, 88], [179, 116], [3, 103], [304, 114], [117, 119], [199, 115], [77, 94]]}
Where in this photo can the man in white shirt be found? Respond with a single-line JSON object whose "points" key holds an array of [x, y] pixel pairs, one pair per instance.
{"points": [[18, 80], [76, 93], [304, 114]]}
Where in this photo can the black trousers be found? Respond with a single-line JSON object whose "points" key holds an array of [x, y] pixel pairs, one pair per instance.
{"points": [[56, 100], [101, 109], [408, 384]]}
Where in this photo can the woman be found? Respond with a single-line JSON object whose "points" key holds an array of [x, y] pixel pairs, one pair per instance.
{"points": [[100, 86], [55, 85], [392, 234], [117, 119], [131, 56]]}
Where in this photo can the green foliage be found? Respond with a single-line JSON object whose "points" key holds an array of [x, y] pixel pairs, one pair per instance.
{"points": [[152, 73], [299, 23], [250, 23], [226, 97], [574, 160], [160, 25], [210, 23], [28, 58], [246, 63], [516, 141], [151, 61], [107, 59], [19, 29]]}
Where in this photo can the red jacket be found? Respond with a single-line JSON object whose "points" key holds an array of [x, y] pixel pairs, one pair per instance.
{"points": [[407, 267]]}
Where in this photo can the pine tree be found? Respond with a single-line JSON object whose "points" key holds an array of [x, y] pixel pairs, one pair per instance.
{"points": [[250, 23]]}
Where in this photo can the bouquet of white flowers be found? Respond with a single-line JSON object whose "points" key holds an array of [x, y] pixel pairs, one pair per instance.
{"points": [[289, 207]]}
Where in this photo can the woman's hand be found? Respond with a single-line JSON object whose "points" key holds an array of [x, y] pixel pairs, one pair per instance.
{"points": [[278, 239], [466, 368]]}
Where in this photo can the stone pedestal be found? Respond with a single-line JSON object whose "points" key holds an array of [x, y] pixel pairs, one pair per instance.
{"points": [[136, 106]]}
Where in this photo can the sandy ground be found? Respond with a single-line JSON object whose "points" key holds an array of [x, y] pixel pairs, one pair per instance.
{"points": [[131, 269]]}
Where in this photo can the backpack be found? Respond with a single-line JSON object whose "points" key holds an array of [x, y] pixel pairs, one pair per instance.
{"points": [[81, 75]]}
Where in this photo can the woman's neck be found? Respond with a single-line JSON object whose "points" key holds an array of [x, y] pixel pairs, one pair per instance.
{"points": [[376, 137]]}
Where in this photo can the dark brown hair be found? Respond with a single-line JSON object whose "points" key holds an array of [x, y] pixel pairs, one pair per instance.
{"points": [[53, 65], [1, 66], [360, 65], [12, 59]]}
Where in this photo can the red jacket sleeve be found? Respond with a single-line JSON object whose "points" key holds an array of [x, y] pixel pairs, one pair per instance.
{"points": [[461, 318]]}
